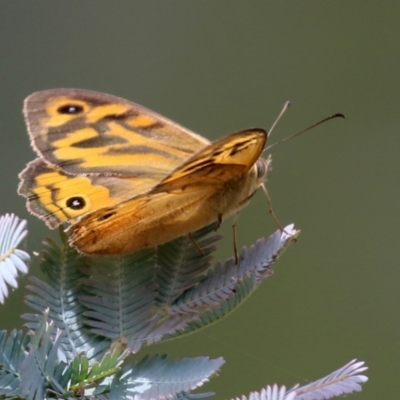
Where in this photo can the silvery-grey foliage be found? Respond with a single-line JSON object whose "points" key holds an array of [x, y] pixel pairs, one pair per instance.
{"points": [[92, 312], [12, 260], [345, 380]]}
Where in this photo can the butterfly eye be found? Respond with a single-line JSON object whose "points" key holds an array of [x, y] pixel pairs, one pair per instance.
{"points": [[70, 109], [76, 203], [262, 168]]}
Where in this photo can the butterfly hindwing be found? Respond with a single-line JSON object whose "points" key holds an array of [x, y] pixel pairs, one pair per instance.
{"points": [[57, 197]]}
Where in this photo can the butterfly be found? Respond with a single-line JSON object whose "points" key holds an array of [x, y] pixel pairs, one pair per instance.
{"points": [[125, 178]]}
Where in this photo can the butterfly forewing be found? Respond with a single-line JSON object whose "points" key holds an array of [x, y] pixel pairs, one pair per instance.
{"points": [[237, 149], [97, 150], [88, 132]]}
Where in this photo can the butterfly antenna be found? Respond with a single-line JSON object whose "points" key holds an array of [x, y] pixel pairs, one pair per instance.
{"points": [[284, 108], [338, 115]]}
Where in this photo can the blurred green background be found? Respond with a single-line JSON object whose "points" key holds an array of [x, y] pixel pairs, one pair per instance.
{"points": [[220, 66]]}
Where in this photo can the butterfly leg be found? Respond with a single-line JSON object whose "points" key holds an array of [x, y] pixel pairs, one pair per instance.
{"points": [[193, 240], [219, 222], [234, 224], [271, 211]]}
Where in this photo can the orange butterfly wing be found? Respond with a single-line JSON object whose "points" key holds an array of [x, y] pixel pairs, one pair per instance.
{"points": [[96, 150], [213, 183]]}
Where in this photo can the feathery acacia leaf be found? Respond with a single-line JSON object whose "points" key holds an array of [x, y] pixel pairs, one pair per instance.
{"points": [[127, 294], [226, 286], [181, 265], [12, 354], [121, 299], [60, 295], [273, 392], [12, 260], [157, 378], [345, 380], [97, 310], [41, 361], [222, 281]]}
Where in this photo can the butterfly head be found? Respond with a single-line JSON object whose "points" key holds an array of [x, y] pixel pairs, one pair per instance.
{"points": [[259, 171], [262, 166]]}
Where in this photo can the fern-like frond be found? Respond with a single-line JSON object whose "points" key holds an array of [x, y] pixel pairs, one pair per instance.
{"points": [[12, 354], [345, 380], [167, 327], [128, 294], [38, 367], [224, 287], [12, 260], [122, 297], [182, 263], [155, 377], [60, 295], [222, 309], [273, 392], [224, 280], [265, 252]]}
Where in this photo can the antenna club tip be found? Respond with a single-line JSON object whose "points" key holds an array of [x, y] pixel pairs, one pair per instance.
{"points": [[339, 115]]}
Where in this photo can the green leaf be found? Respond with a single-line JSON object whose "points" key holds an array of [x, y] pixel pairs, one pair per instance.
{"points": [[83, 376]]}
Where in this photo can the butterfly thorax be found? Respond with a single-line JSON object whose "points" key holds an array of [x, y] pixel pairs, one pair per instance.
{"points": [[238, 191]]}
